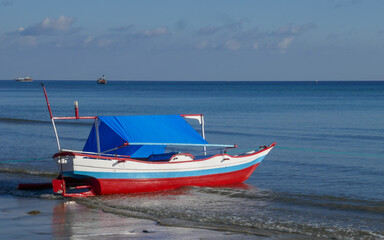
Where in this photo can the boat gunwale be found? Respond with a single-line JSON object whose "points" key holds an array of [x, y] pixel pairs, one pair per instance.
{"points": [[119, 159]]}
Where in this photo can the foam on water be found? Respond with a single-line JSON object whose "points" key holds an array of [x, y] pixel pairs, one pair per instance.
{"points": [[244, 210]]}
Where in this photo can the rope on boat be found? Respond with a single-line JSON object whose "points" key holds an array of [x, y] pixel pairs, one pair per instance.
{"points": [[24, 160]]}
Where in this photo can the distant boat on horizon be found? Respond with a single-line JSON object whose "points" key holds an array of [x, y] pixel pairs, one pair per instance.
{"points": [[101, 80], [26, 79]]}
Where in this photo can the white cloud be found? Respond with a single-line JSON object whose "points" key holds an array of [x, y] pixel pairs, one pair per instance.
{"points": [[284, 44], [153, 32], [235, 36], [104, 42], [61, 24], [122, 29], [292, 30], [202, 44], [223, 29], [28, 40], [49, 26], [88, 39], [233, 44]]}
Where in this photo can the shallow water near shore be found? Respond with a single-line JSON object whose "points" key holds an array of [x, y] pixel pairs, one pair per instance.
{"points": [[324, 179], [66, 219]]}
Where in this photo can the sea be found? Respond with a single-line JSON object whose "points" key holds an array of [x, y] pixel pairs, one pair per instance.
{"points": [[324, 178]]}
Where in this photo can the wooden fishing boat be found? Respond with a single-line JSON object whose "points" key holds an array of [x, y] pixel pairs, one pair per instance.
{"points": [[101, 80], [126, 154]]}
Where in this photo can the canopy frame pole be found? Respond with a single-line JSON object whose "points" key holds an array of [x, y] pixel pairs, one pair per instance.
{"points": [[97, 135], [200, 118], [57, 136], [180, 144], [126, 144], [203, 133]]}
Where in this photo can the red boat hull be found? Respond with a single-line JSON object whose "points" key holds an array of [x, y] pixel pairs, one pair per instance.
{"points": [[120, 186]]}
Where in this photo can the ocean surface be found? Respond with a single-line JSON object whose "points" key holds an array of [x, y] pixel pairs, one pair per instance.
{"points": [[325, 178]]}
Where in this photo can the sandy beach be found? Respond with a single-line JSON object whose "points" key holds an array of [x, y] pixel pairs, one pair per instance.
{"points": [[36, 218], [28, 218]]}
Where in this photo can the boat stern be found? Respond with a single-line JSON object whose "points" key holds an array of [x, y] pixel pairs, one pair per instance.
{"points": [[64, 161], [67, 183]]}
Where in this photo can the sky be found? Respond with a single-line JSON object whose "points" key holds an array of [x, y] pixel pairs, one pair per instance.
{"points": [[195, 40]]}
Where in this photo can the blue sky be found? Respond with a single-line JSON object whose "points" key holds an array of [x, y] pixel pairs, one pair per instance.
{"points": [[249, 40]]}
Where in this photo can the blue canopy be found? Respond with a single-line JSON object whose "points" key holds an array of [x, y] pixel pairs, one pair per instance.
{"points": [[114, 131]]}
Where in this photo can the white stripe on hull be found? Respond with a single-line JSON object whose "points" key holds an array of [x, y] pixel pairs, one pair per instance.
{"points": [[76, 164]]}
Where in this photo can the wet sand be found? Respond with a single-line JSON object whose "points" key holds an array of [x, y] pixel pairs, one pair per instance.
{"points": [[36, 218]]}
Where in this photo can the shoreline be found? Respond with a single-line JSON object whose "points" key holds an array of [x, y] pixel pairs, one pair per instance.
{"points": [[39, 218]]}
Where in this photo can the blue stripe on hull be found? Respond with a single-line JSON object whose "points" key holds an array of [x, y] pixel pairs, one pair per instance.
{"points": [[146, 175]]}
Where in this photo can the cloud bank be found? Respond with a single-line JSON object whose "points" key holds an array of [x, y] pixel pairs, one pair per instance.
{"points": [[49, 26], [235, 36]]}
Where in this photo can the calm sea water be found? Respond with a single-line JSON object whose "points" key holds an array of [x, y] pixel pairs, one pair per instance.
{"points": [[325, 177]]}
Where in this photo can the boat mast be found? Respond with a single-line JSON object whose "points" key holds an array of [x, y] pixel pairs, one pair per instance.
{"points": [[50, 114]]}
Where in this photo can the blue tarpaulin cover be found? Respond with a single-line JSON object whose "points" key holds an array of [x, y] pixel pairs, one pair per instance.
{"points": [[114, 131]]}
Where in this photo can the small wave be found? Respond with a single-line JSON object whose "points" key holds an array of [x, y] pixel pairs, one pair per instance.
{"points": [[10, 178], [44, 194], [27, 172], [324, 201], [22, 121], [237, 133], [244, 192], [32, 121], [332, 202], [154, 207]]}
